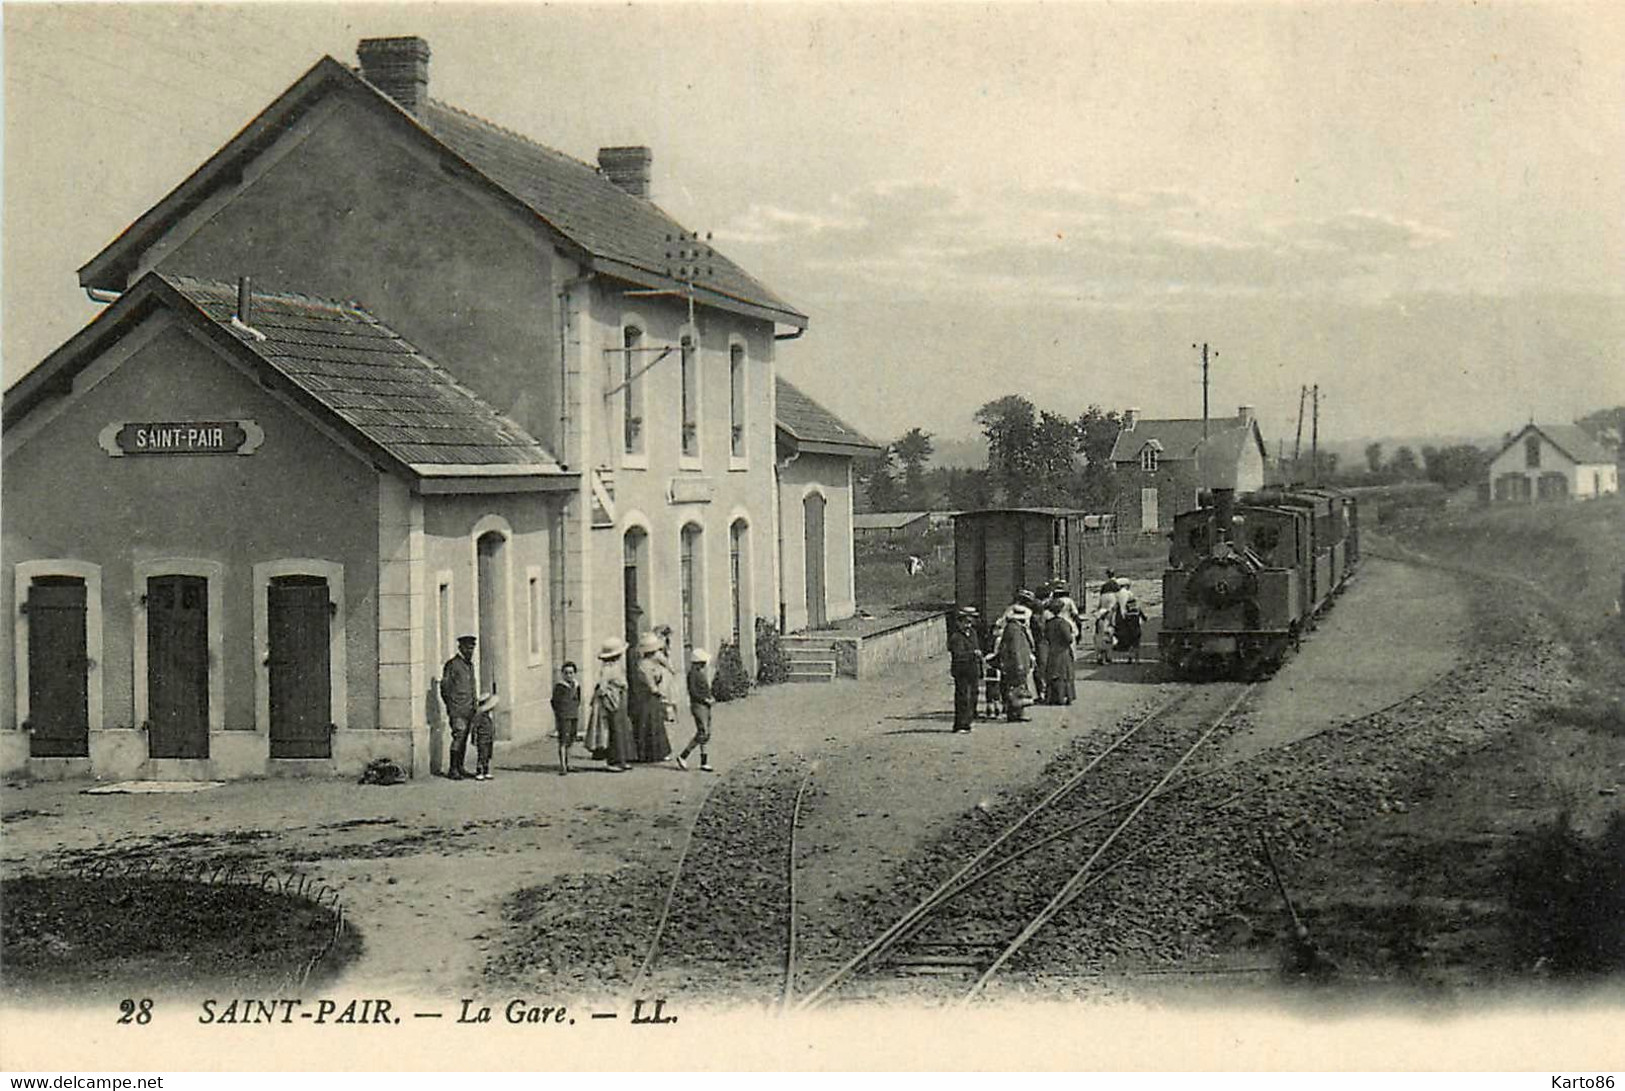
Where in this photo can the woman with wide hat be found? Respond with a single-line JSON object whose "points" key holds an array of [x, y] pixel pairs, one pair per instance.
{"points": [[609, 731], [650, 683]]}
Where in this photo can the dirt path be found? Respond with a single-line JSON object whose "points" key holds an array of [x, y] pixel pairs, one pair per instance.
{"points": [[1396, 630]]}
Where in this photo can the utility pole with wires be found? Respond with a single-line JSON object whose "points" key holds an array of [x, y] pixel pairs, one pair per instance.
{"points": [[687, 253], [1215, 355], [1314, 439], [1297, 444]]}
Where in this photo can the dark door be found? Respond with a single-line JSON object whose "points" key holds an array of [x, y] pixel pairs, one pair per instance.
{"points": [[178, 667], [58, 669], [299, 626], [817, 614]]}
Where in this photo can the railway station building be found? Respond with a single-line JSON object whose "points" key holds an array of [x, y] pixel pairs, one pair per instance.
{"points": [[377, 374]]}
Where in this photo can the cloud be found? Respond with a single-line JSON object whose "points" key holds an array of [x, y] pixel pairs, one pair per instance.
{"points": [[1362, 232], [917, 239]]}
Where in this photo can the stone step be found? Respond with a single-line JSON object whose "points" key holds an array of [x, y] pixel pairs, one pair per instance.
{"points": [[812, 672], [808, 643], [808, 656]]}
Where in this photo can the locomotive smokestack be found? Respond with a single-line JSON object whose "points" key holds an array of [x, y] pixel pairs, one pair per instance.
{"points": [[1224, 512]]}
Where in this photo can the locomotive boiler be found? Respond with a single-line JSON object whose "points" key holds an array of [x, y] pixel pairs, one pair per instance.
{"points": [[1247, 576]]}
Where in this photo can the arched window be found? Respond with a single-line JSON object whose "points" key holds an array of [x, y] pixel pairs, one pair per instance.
{"points": [[635, 580], [691, 587], [1149, 458], [736, 401], [632, 394], [688, 353], [738, 580]]}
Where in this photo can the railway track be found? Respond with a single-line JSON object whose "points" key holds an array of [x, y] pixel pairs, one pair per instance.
{"points": [[967, 929], [727, 923]]}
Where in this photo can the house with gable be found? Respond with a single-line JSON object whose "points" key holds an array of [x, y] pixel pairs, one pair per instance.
{"points": [[1552, 462], [1164, 464], [818, 581], [553, 412]]}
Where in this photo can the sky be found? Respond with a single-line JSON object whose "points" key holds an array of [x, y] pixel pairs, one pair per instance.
{"points": [[1419, 207]]}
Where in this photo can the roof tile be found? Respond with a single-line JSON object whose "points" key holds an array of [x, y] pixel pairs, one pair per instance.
{"points": [[371, 377], [810, 422]]}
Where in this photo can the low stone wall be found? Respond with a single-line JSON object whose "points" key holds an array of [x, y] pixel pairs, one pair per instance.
{"points": [[912, 642]]}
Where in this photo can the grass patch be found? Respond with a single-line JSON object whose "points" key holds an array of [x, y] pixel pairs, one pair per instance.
{"points": [[140, 937], [1566, 898], [883, 581]]}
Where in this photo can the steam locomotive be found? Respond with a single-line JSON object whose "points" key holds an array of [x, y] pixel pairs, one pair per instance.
{"points": [[1247, 576]]}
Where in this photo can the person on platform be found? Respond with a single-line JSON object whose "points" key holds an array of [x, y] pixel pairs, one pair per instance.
{"points": [[651, 681], [566, 713], [1061, 595], [458, 694], [1015, 650], [1126, 620], [1060, 636], [609, 730], [483, 728], [699, 706], [965, 666]]}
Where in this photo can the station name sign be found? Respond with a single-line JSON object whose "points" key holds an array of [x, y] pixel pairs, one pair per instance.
{"points": [[193, 437]]}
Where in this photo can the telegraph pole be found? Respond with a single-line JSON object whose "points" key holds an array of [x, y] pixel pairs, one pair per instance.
{"points": [[1203, 347], [1297, 444], [1314, 439]]}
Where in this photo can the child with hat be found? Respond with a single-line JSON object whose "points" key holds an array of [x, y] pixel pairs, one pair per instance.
{"points": [[699, 703], [484, 732]]}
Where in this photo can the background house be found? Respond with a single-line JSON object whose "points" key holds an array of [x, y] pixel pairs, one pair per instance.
{"points": [[1157, 463], [1552, 462], [891, 525], [817, 570]]}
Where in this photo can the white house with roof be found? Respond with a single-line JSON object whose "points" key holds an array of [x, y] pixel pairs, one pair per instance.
{"points": [[1552, 462]]}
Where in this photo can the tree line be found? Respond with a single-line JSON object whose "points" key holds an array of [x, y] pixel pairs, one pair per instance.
{"points": [[1034, 457], [1037, 457]]}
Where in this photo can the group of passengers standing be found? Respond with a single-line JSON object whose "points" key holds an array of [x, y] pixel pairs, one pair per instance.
{"points": [[1032, 648], [629, 713]]}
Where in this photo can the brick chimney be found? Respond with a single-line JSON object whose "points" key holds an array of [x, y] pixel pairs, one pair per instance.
{"points": [[628, 167], [399, 67], [1130, 418], [1245, 412]]}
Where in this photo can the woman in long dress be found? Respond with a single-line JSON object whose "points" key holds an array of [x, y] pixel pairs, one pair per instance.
{"points": [[1059, 637], [609, 730], [1015, 651], [651, 682]]}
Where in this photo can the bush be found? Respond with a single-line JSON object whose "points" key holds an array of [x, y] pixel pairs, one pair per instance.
{"points": [[771, 666], [1566, 896], [731, 681]]}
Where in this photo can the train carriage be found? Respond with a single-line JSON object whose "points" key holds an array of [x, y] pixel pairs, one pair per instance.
{"points": [[999, 551]]}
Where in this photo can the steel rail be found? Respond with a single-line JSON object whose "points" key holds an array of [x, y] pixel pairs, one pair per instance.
{"points": [[790, 897], [671, 891], [882, 942], [1075, 885]]}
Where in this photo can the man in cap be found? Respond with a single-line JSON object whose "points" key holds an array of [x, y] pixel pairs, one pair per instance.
{"points": [[699, 704], [458, 694], [965, 665]]}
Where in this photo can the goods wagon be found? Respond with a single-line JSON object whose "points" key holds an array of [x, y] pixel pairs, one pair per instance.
{"points": [[997, 552]]}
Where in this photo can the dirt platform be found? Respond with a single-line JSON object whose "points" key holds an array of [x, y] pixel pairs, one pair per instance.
{"points": [[1396, 630]]}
